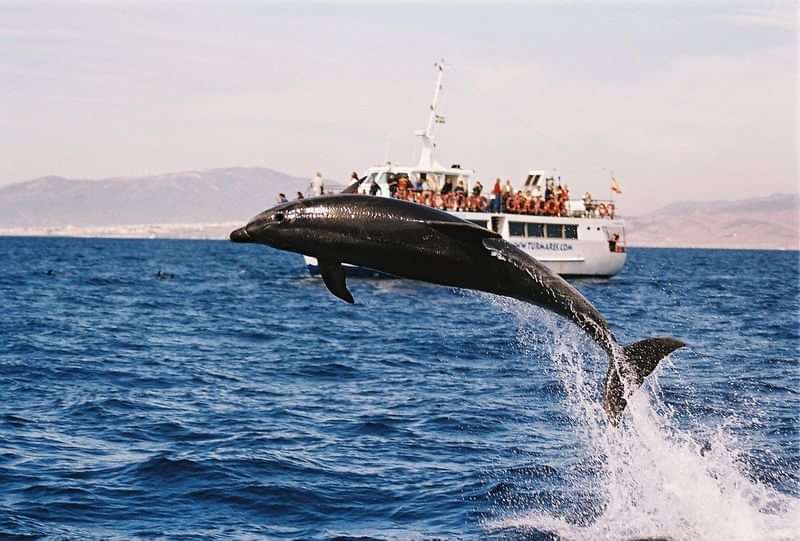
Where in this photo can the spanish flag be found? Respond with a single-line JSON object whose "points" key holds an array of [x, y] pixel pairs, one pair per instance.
{"points": [[615, 186]]}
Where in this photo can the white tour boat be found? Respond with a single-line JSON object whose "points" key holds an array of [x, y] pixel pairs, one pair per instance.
{"points": [[574, 238]]}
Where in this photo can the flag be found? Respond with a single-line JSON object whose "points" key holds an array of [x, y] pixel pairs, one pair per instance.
{"points": [[439, 119], [615, 186]]}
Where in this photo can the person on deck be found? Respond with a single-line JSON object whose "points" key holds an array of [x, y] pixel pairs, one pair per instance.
{"points": [[588, 204], [374, 188], [430, 184], [282, 198], [497, 191], [317, 187], [448, 186], [403, 184], [392, 182]]}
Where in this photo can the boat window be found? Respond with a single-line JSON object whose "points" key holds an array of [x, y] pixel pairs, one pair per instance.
{"points": [[571, 231], [535, 230], [554, 231], [481, 223], [516, 229]]}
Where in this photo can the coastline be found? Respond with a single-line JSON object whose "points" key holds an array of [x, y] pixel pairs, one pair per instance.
{"points": [[220, 231]]}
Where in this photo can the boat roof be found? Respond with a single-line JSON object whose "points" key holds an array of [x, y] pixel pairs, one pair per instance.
{"points": [[434, 169]]}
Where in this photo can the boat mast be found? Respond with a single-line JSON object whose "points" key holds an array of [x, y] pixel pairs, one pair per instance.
{"points": [[426, 157]]}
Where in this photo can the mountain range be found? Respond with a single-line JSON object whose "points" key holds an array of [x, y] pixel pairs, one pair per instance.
{"points": [[771, 222], [216, 195], [204, 204]]}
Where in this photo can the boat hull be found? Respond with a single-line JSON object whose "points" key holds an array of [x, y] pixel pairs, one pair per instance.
{"points": [[570, 247], [585, 253]]}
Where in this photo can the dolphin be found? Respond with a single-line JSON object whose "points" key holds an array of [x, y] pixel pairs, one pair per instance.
{"points": [[414, 241]]}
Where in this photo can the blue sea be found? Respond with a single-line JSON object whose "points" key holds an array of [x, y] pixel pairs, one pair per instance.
{"points": [[156, 389]]}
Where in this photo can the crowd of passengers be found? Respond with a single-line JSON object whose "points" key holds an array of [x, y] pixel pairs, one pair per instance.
{"points": [[501, 198]]}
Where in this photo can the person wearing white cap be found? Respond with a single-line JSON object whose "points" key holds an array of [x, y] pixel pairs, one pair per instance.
{"points": [[316, 185]]}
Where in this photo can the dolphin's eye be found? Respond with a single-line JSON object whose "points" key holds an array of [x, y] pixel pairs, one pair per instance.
{"points": [[278, 217]]}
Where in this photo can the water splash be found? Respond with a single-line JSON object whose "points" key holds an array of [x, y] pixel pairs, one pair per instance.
{"points": [[653, 477]]}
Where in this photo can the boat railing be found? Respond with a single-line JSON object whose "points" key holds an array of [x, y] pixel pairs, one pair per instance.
{"points": [[511, 204]]}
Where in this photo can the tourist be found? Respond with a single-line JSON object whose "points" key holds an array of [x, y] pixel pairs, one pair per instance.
{"points": [[374, 188], [497, 191], [317, 187], [588, 204], [448, 186], [430, 184], [392, 182]]}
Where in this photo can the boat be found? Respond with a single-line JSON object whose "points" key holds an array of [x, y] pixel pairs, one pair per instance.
{"points": [[573, 237]]}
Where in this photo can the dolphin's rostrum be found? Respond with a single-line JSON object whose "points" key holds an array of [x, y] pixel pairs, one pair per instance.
{"points": [[421, 243]]}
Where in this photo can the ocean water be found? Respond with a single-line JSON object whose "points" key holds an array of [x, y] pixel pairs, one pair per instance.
{"points": [[232, 397]]}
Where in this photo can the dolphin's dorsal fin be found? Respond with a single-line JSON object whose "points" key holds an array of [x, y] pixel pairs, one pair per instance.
{"points": [[462, 230], [333, 276], [352, 188]]}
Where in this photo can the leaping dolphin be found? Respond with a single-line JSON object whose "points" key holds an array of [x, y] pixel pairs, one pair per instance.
{"points": [[414, 241]]}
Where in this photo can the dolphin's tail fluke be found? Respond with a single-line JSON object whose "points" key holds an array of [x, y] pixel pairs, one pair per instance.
{"points": [[638, 361]]}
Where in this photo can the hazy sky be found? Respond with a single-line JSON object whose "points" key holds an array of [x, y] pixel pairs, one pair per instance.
{"points": [[681, 100]]}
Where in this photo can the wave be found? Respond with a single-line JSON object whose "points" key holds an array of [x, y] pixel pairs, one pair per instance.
{"points": [[654, 477]]}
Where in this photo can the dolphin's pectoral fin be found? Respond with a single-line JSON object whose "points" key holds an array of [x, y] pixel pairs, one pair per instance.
{"points": [[333, 276], [462, 230], [505, 251]]}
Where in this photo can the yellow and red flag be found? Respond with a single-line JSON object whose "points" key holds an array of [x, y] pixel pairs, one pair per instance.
{"points": [[615, 186]]}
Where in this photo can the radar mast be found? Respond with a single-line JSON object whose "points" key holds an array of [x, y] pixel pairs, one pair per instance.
{"points": [[426, 160]]}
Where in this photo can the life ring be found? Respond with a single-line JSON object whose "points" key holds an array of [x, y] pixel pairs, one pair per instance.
{"points": [[411, 196], [529, 206], [521, 202], [436, 200], [602, 210], [460, 201], [535, 205], [425, 199], [472, 203], [483, 204], [512, 204], [610, 208], [551, 207], [449, 201]]}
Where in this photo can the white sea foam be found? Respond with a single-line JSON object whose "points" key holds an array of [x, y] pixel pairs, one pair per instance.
{"points": [[654, 479]]}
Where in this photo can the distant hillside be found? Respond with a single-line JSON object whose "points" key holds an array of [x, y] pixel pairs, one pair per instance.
{"points": [[207, 204], [765, 222], [215, 195]]}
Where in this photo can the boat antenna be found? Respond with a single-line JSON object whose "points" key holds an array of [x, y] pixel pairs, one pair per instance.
{"points": [[426, 157]]}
